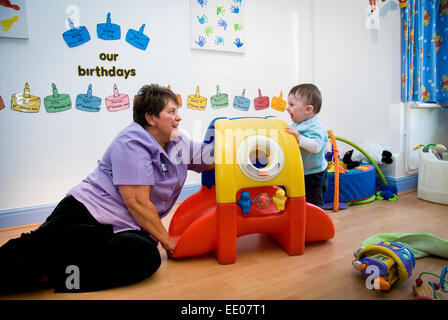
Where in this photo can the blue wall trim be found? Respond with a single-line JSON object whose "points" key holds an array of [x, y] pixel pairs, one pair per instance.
{"points": [[36, 214]]}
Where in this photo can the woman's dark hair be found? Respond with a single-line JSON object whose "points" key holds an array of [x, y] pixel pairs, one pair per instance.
{"points": [[310, 93], [151, 99]]}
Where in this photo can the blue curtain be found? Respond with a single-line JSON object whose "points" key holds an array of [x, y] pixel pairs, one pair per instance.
{"points": [[424, 50]]}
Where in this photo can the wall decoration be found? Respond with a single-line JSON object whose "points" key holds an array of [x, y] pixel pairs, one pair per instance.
{"points": [[218, 25], [108, 30], [2, 105], [57, 102], [261, 102], [196, 101], [220, 100], [24, 102], [179, 98], [87, 102], [75, 36], [137, 38], [241, 102], [13, 20], [278, 103], [118, 101]]}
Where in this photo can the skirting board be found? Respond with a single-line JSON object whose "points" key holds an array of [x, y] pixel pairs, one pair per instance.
{"points": [[36, 214]]}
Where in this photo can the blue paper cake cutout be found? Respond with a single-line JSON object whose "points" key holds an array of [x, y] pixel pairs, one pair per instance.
{"points": [[75, 36], [241, 102], [87, 102], [108, 30], [137, 38]]}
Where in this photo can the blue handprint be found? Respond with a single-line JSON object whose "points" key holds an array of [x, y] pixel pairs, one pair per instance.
{"points": [[222, 23], [201, 41], [237, 1], [234, 9], [219, 40], [203, 3], [238, 43], [202, 19]]}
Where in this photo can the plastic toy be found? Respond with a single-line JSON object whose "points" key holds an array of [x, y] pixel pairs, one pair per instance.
{"points": [[431, 290], [57, 101], [75, 36], [393, 262], [212, 219], [279, 199]]}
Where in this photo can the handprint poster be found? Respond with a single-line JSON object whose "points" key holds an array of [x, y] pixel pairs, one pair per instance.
{"points": [[218, 25]]}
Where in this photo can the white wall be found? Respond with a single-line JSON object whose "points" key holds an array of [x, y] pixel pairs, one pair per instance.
{"points": [[360, 81], [45, 154], [293, 41]]}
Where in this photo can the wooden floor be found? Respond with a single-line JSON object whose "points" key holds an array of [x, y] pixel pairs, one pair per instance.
{"points": [[265, 271]]}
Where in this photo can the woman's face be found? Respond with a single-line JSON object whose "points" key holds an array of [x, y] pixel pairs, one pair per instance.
{"points": [[167, 123]]}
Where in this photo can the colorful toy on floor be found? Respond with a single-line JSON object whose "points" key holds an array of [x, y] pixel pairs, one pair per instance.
{"points": [[388, 261], [213, 218], [431, 290]]}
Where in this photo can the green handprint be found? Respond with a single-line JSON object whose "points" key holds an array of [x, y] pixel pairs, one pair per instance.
{"points": [[238, 27], [209, 30], [220, 10]]}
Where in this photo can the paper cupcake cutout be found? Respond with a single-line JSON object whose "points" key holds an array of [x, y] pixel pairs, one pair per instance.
{"points": [[179, 98], [57, 102], [24, 102], [117, 102], [87, 102], [108, 30], [2, 105], [7, 23], [75, 36], [196, 101], [220, 100], [241, 102], [278, 103], [261, 102], [137, 38]]}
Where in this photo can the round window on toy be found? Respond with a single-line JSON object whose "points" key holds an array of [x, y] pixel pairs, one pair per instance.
{"points": [[260, 158]]}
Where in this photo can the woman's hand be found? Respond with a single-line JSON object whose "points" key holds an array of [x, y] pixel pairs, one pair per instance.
{"points": [[169, 246]]}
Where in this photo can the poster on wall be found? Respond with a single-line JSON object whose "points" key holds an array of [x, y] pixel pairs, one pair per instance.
{"points": [[13, 19], [218, 25]]}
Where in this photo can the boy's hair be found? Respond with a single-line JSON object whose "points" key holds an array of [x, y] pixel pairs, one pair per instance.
{"points": [[310, 93], [151, 99]]}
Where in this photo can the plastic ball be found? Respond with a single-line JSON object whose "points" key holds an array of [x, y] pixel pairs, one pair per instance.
{"points": [[418, 282], [262, 200]]}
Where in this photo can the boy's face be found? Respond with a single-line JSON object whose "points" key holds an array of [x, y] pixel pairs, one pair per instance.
{"points": [[298, 109]]}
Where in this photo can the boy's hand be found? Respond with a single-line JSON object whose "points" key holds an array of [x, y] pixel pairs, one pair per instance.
{"points": [[293, 131]]}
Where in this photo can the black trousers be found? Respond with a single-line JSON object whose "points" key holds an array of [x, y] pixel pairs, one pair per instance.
{"points": [[72, 252], [315, 187]]}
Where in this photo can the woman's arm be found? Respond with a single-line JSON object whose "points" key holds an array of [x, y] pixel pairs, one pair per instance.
{"points": [[136, 198]]}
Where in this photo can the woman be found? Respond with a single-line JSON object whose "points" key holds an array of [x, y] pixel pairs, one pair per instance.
{"points": [[105, 232]]}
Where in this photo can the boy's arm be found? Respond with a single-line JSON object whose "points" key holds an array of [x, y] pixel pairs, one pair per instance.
{"points": [[308, 144]]}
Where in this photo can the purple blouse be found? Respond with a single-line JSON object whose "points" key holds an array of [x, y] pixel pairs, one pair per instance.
{"points": [[135, 158]]}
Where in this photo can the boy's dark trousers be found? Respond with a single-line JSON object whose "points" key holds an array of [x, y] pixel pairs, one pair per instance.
{"points": [[315, 187], [75, 253]]}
